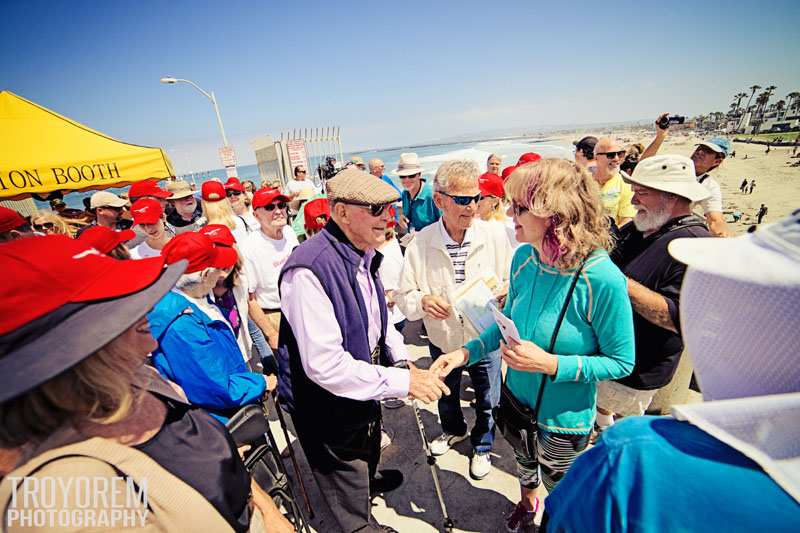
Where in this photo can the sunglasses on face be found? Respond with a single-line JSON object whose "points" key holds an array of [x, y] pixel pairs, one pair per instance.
{"points": [[463, 201], [375, 210], [272, 207], [233, 193], [301, 171], [44, 227], [117, 209], [518, 209], [612, 155]]}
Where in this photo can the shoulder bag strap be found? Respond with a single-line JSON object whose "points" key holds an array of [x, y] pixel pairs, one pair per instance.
{"points": [[555, 334]]}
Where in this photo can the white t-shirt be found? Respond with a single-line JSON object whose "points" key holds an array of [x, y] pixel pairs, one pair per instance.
{"points": [[252, 221], [143, 251], [389, 271], [714, 202], [240, 232], [263, 260], [294, 186]]}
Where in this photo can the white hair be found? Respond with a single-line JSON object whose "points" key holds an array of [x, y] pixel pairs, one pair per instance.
{"points": [[461, 171], [190, 283]]}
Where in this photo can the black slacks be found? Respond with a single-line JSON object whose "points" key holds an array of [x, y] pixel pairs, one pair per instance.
{"points": [[343, 462]]}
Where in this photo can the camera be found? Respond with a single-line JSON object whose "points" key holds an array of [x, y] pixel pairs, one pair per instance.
{"points": [[327, 170], [666, 122]]}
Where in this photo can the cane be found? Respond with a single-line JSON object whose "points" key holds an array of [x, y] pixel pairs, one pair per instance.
{"points": [[296, 467], [448, 522]]}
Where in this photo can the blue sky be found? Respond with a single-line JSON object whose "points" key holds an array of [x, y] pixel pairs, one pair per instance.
{"points": [[388, 72]]}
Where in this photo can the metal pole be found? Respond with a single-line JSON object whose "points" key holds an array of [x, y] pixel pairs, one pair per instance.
{"points": [[339, 141], [219, 119]]}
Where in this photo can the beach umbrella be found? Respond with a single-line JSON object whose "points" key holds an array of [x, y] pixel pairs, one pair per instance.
{"points": [[43, 152]]}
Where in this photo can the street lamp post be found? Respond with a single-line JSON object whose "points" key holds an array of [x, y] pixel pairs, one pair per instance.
{"points": [[230, 169]]}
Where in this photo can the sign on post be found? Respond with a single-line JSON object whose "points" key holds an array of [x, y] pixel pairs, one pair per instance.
{"points": [[297, 153]]}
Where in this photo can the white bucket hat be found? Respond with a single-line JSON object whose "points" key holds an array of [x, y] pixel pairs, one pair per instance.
{"points": [[408, 165], [669, 173]]}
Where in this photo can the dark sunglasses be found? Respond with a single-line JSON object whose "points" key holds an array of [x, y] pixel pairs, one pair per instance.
{"points": [[375, 210], [233, 193], [518, 209], [463, 201], [612, 155], [117, 209], [301, 171], [272, 207], [43, 227]]}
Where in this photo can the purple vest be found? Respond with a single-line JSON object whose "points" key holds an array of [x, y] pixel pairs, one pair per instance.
{"points": [[334, 261]]}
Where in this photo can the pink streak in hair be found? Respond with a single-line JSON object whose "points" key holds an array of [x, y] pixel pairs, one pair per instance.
{"points": [[552, 249]]}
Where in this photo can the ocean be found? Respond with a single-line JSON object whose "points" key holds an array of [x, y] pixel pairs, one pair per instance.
{"points": [[430, 157]]}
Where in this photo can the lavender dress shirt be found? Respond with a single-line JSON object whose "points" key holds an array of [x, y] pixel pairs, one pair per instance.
{"points": [[310, 313]]}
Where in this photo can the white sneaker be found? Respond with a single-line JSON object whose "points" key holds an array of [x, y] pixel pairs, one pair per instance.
{"points": [[480, 465], [444, 442]]}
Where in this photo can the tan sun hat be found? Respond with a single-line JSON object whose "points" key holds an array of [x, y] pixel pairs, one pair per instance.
{"points": [[356, 186], [179, 189], [106, 199], [669, 173], [408, 165]]}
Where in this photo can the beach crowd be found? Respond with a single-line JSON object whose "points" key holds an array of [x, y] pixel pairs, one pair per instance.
{"points": [[129, 341]]}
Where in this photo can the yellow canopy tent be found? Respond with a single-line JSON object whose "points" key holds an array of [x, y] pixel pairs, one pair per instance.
{"points": [[42, 151]]}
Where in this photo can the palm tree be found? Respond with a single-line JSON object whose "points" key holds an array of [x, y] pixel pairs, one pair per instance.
{"points": [[753, 88], [738, 98], [794, 101]]}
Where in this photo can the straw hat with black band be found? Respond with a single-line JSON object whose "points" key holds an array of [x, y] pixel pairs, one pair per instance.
{"points": [[67, 301]]}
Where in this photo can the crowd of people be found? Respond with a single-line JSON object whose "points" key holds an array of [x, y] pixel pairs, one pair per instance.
{"points": [[129, 343]]}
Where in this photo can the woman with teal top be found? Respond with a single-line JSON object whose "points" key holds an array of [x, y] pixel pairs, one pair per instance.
{"points": [[558, 214]]}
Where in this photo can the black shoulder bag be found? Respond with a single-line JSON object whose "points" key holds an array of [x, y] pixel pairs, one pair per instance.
{"points": [[517, 422]]}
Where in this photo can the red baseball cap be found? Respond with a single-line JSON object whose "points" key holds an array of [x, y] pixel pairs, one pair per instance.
{"points": [[105, 239], [10, 219], [529, 157], [213, 191], [148, 187], [491, 185], [67, 301], [264, 197], [233, 184], [146, 211], [220, 234], [316, 208], [200, 251], [507, 172]]}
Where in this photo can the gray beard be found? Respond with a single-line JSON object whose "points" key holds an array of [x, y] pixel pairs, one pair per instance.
{"points": [[649, 221]]}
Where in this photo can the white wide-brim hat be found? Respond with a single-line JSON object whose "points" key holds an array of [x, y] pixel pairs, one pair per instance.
{"points": [[408, 165], [669, 173]]}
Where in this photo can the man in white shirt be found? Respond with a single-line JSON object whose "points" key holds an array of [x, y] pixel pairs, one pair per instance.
{"points": [[299, 183], [265, 252]]}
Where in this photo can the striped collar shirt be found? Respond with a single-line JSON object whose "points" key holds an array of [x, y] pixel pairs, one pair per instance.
{"points": [[458, 252]]}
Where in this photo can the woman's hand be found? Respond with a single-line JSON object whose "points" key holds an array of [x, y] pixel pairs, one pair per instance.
{"points": [[273, 518], [526, 356], [436, 307], [449, 361]]}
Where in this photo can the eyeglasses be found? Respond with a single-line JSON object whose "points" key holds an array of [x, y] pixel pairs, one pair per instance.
{"points": [[233, 193], [301, 171], [612, 155], [463, 201], [113, 208], [410, 176], [272, 207], [375, 210], [44, 227], [518, 209]]}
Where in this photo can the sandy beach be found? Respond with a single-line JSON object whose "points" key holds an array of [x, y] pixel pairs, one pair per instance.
{"points": [[777, 183]]}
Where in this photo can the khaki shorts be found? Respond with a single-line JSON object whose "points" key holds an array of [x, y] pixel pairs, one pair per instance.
{"points": [[622, 400]]}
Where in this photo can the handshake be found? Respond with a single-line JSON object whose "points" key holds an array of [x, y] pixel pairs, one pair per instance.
{"points": [[428, 385]]}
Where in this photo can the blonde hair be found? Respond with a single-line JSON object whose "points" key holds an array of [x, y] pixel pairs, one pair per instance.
{"points": [[99, 389], [569, 198], [219, 212], [61, 225], [456, 172]]}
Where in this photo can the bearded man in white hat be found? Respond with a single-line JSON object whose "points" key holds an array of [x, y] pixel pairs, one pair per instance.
{"points": [[664, 188], [419, 209], [337, 350]]}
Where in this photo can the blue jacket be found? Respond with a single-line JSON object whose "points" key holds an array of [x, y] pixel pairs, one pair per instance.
{"points": [[201, 355]]}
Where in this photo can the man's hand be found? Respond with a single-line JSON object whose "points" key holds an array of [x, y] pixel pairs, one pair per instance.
{"points": [[449, 361], [436, 307], [526, 356], [659, 130], [425, 385], [389, 295]]}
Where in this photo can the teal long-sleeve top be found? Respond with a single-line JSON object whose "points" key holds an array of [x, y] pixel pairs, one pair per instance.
{"points": [[595, 342]]}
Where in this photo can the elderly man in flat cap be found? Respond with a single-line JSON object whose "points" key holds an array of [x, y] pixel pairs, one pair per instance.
{"points": [[336, 353]]}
